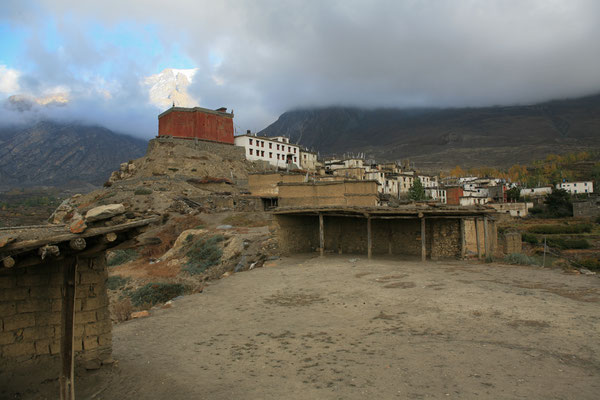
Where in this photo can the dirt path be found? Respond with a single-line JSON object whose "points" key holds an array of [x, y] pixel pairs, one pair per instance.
{"points": [[310, 328]]}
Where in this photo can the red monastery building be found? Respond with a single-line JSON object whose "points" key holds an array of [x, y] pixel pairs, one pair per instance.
{"points": [[197, 123]]}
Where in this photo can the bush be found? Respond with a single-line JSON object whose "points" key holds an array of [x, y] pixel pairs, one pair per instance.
{"points": [[121, 310], [118, 257], [529, 238], [536, 210], [597, 220], [520, 259], [203, 253], [154, 293], [568, 243], [142, 191], [593, 264], [116, 282], [564, 229]]}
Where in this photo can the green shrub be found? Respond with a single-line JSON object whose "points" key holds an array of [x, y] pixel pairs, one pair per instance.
{"points": [[142, 191], [118, 257], [203, 253], [116, 282], [529, 238], [154, 293], [568, 243], [536, 210], [564, 229], [520, 259], [597, 220], [593, 264]]}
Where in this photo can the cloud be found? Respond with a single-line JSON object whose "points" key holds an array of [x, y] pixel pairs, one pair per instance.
{"points": [[9, 79], [265, 57]]}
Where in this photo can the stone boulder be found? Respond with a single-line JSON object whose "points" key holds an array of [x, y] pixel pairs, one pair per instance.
{"points": [[104, 212]]}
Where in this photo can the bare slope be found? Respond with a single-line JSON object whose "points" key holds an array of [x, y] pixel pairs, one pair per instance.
{"points": [[55, 154], [494, 136]]}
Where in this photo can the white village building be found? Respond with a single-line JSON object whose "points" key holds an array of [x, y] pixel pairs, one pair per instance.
{"points": [[577, 187]]}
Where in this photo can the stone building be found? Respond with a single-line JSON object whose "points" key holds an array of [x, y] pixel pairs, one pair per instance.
{"points": [[53, 303], [277, 151], [197, 123]]}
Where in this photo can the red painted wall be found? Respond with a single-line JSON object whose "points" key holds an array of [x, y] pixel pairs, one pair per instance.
{"points": [[196, 124], [453, 195]]}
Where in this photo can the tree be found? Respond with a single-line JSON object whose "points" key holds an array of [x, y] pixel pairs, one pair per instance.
{"points": [[417, 191], [558, 204], [513, 194]]}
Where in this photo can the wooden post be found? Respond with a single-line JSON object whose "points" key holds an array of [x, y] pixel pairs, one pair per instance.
{"points": [[423, 241], [321, 236], [477, 238], [369, 241], [390, 237], [340, 238], [67, 373], [463, 239], [8, 262], [486, 242]]}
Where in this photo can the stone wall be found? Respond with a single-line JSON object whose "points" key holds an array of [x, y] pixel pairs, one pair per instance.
{"points": [[587, 208], [511, 243], [226, 151], [31, 310], [300, 234]]}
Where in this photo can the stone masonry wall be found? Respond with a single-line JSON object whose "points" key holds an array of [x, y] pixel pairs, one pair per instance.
{"points": [[30, 313]]}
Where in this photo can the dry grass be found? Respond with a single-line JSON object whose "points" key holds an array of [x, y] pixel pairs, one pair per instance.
{"points": [[169, 234], [121, 310], [250, 220]]}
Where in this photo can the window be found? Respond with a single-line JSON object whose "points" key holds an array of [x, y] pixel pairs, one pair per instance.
{"points": [[262, 144], [278, 156], [289, 149], [270, 145], [250, 151], [295, 159], [294, 150], [277, 147], [270, 154], [262, 153], [250, 141]]}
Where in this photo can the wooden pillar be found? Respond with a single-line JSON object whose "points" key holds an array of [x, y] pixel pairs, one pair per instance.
{"points": [[340, 237], [486, 241], [321, 236], [390, 237], [463, 239], [423, 241], [369, 240], [67, 373], [477, 238]]}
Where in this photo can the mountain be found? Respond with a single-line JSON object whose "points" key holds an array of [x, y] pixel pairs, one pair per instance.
{"points": [[170, 87], [55, 154], [440, 138]]}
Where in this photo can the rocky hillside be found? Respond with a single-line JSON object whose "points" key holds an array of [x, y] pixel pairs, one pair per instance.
{"points": [[53, 154], [439, 138]]}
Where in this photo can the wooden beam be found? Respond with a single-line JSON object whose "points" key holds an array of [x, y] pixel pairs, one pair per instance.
{"points": [[463, 239], [8, 262], [369, 240], [423, 241], [486, 242], [477, 238], [67, 373], [321, 235], [77, 243]]}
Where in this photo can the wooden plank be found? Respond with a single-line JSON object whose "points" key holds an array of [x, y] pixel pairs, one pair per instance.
{"points": [[32, 244], [486, 242], [390, 237], [423, 241], [477, 238], [369, 240], [463, 239], [67, 373], [321, 235]]}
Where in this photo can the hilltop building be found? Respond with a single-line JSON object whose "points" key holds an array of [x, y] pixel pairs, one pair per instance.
{"points": [[577, 187], [197, 123]]}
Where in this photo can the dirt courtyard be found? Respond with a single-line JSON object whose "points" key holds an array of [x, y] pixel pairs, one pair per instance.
{"points": [[340, 328]]}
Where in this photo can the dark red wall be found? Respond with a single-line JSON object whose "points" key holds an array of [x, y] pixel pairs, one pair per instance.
{"points": [[196, 124], [453, 195]]}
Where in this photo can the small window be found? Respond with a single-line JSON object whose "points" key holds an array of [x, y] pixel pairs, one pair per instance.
{"points": [[250, 151], [270, 154], [294, 150], [262, 144], [262, 153], [270, 145], [277, 147], [278, 156], [295, 159], [250, 141]]}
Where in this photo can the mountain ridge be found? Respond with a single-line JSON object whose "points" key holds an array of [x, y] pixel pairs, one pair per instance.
{"points": [[443, 137]]}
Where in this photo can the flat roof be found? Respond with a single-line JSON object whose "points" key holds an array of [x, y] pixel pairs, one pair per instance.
{"points": [[196, 109], [407, 211]]}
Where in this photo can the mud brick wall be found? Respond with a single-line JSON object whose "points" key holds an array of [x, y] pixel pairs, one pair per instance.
{"points": [[511, 243], [227, 151], [31, 311]]}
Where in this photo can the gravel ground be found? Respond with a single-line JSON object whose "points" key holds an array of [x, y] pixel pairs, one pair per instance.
{"points": [[340, 328]]}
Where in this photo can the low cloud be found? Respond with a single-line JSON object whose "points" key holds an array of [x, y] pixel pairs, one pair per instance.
{"points": [[264, 58]]}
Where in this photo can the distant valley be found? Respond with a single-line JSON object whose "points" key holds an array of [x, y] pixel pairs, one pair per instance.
{"points": [[435, 139]]}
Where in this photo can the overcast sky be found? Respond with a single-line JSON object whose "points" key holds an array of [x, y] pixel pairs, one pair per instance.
{"points": [[262, 58]]}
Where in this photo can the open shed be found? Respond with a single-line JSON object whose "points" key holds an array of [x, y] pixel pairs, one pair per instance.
{"points": [[53, 303], [415, 230]]}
